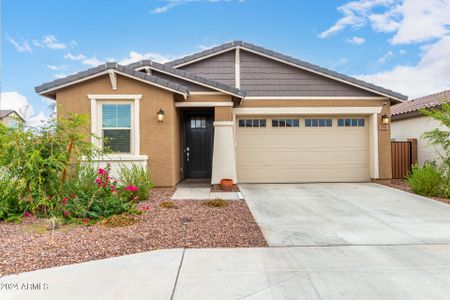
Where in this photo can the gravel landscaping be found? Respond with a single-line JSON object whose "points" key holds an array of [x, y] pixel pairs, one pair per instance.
{"points": [[401, 185], [191, 224]]}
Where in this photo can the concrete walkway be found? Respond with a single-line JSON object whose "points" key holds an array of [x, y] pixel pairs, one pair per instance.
{"points": [[345, 214], [347, 272], [200, 189]]}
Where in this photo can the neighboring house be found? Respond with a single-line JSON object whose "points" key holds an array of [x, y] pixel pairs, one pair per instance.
{"points": [[11, 118], [235, 111], [408, 122]]}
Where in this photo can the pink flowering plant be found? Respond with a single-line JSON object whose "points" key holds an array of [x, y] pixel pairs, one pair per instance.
{"points": [[100, 197]]}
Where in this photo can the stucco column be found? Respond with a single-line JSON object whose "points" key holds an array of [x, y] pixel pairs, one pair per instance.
{"points": [[224, 161], [374, 151]]}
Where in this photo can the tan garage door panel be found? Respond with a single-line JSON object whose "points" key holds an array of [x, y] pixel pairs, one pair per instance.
{"points": [[301, 154]]}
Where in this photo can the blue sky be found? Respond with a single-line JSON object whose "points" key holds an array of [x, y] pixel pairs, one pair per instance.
{"points": [[402, 45]]}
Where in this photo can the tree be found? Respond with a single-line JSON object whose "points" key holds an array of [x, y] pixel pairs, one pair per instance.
{"points": [[438, 137]]}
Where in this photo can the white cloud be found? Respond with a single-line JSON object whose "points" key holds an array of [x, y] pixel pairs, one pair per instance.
{"points": [[19, 103], [56, 68], [37, 120], [355, 14], [174, 3], [423, 21], [431, 74], [402, 52], [356, 40], [90, 61], [206, 47], [20, 47], [50, 41], [134, 56], [412, 21], [388, 55]]}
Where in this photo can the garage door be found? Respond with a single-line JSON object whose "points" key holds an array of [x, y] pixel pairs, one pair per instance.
{"points": [[302, 149]]}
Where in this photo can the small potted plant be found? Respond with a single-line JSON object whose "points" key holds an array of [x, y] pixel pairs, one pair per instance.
{"points": [[226, 184]]}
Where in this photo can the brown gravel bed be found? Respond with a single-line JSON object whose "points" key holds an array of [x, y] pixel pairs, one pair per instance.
{"points": [[402, 185], [191, 225]]}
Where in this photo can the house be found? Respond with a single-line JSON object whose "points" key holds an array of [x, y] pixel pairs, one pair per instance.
{"points": [[235, 111], [11, 118], [408, 122]]}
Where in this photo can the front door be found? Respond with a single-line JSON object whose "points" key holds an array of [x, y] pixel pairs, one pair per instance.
{"points": [[198, 144]]}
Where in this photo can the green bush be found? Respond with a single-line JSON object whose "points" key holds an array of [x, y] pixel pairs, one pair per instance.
{"points": [[102, 199], [45, 171], [10, 205], [427, 180], [136, 176]]}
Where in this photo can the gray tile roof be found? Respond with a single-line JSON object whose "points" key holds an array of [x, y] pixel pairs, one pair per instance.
{"points": [[295, 61], [5, 112], [414, 105], [112, 66], [187, 75]]}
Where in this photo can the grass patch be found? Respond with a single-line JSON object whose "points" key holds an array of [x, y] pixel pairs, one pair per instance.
{"points": [[216, 203], [118, 221], [167, 204]]}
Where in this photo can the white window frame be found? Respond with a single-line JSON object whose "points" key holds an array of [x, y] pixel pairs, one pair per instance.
{"points": [[96, 119]]}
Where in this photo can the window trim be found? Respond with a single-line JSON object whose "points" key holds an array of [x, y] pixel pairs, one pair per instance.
{"points": [[96, 119], [103, 128]]}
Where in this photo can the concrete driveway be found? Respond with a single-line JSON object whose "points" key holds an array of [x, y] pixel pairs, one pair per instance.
{"points": [[345, 214]]}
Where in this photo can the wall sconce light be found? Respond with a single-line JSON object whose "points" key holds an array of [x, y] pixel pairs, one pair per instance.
{"points": [[160, 115], [385, 119]]}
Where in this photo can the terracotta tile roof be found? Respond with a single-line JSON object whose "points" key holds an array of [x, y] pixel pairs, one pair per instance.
{"points": [[413, 105]]}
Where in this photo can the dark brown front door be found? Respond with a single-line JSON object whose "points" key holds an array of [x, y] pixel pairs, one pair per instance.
{"points": [[198, 144]]}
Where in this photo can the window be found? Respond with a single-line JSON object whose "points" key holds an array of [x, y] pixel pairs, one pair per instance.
{"points": [[116, 127], [285, 123], [318, 123], [354, 122], [252, 123], [13, 123], [198, 122]]}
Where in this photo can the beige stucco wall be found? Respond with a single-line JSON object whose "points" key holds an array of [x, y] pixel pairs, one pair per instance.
{"points": [[157, 140], [384, 138], [414, 128], [223, 113]]}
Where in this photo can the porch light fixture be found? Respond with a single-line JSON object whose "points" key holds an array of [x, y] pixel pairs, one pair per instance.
{"points": [[385, 119], [160, 115]]}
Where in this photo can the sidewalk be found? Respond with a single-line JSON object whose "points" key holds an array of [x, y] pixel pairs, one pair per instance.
{"points": [[335, 272]]}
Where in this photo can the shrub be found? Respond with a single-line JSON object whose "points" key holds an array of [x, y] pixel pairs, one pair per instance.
{"points": [[11, 208], [426, 180], [136, 176], [167, 204], [38, 160], [118, 221], [102, 200], [216, 203]]}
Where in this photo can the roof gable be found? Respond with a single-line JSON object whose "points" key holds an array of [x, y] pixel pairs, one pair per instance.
{"points": [[49, 87], [195, 58]]}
